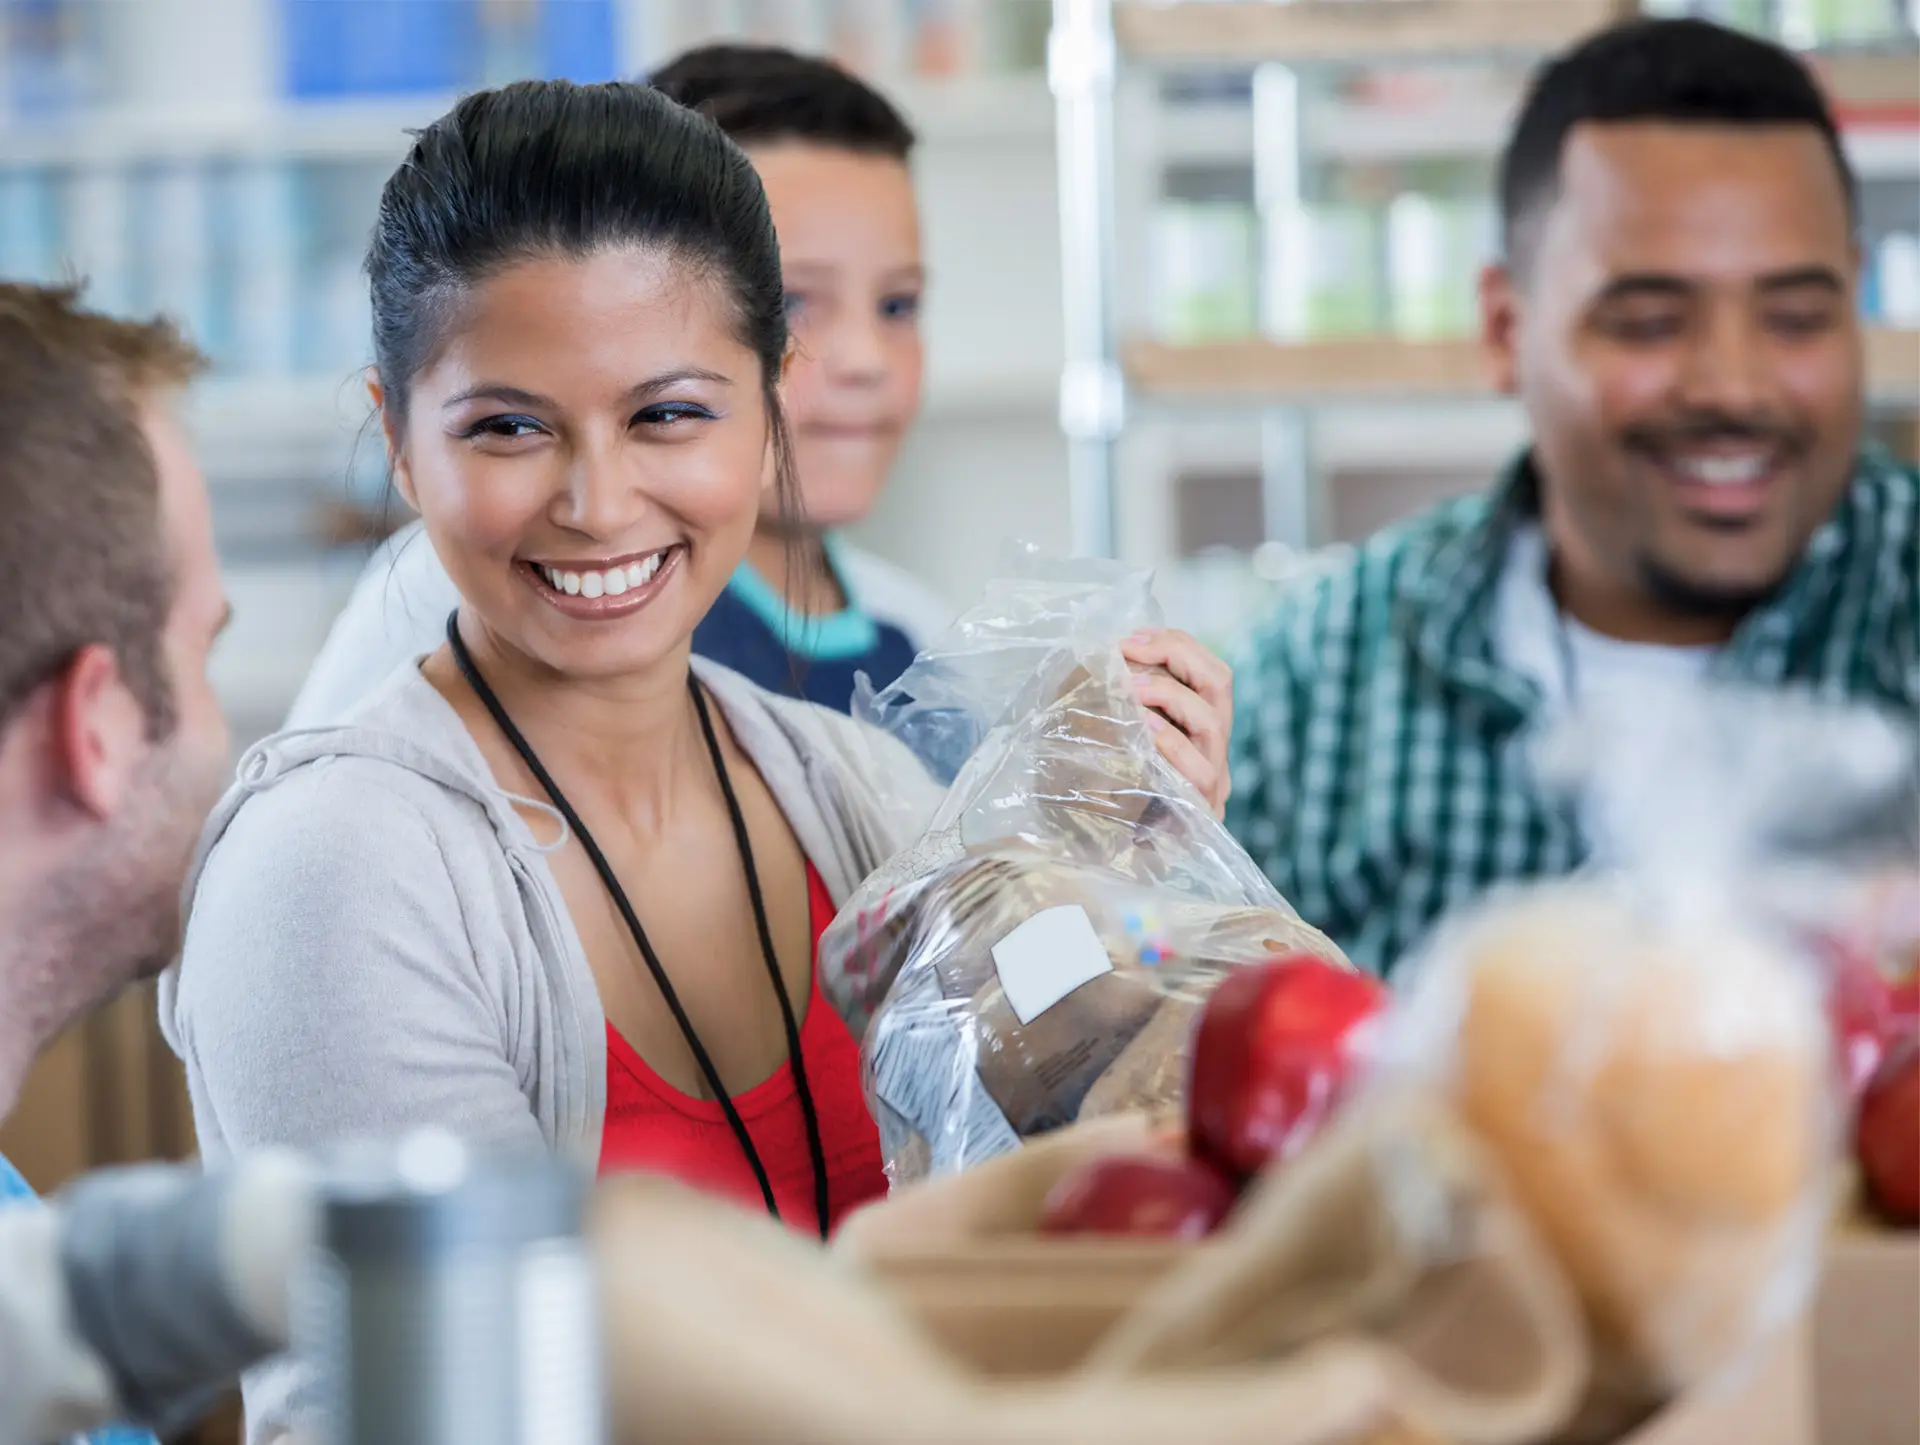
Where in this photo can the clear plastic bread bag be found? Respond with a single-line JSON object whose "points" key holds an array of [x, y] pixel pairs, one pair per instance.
{"points": [[1039, 955], [1644, 1045], [1840, 867]]}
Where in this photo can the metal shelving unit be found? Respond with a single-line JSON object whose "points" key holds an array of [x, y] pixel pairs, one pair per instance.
{"points": [[1094, 42], [1303, 33], [1361, 368]]}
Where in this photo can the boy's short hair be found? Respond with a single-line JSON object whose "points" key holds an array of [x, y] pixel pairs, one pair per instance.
{"points": [[759, 94], [82, 559]]}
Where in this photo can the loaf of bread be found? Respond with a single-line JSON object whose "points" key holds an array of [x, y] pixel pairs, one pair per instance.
{"points": [[1040, 1072], [1658, 1092], [1151, 1072], [951, 1061], [1095, 756]]}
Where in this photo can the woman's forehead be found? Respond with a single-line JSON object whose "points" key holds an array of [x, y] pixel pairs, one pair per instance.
{"points": [[630, 310]]}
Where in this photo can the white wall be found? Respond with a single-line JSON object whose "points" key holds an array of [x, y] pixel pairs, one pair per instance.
{"points": [[987, 464]]}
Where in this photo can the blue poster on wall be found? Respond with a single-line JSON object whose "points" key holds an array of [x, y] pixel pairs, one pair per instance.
{"points": [[580, 40], [342, 48]]}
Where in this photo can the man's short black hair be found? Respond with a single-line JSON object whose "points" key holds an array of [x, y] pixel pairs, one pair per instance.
{"points": [[759, 94], [1686, 71]]}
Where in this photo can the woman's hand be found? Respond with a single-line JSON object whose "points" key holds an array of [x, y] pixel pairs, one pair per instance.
{"points": [[1191, 710]]}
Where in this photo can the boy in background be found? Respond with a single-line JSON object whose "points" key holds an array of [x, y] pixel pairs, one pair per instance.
{"points": [[806, 611]]}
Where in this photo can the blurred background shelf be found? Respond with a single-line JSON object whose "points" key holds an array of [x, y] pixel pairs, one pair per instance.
{"points": [[1893, 364], [376, 130], [1881, 143], [1362, 369], [1342, 30], [1327, 169], [1878, 81], [193, 162]]}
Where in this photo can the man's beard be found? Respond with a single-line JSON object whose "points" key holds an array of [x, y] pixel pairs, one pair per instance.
{"points": [[1687, 598], [119, 913]]}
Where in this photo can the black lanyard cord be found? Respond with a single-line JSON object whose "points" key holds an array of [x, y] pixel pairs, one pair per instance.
{"points": [[816, 1150], [464, 660]]}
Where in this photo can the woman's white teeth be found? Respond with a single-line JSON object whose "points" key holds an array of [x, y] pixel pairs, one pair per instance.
{"points": [[1724, 471], [612, 582]]}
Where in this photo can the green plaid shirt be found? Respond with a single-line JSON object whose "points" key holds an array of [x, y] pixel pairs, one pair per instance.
{"points": [[1380, 772]]}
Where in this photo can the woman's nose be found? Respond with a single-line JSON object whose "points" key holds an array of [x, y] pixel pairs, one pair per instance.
{"points": [[602, 496]]}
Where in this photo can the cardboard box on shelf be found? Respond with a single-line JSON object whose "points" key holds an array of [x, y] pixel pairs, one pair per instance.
{"points": [[1866, 1340]]}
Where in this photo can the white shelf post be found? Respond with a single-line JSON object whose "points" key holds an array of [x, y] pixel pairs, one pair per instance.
{"points": [[1082, 60], [1289, 483]]}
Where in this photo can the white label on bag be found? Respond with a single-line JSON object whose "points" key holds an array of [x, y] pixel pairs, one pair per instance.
{"points": [[1048, 957]]}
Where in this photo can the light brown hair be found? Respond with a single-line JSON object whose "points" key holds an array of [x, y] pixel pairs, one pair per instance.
{"points": [[82, 556]]}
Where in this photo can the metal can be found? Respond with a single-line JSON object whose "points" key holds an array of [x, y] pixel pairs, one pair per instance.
{"points": [[452, 1302]]}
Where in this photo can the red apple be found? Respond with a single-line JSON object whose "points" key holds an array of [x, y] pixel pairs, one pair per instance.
{"points": [[1276, 1049], [1139, 1195], [1887, 1135], [1860, 1010], [1903, 1003]]}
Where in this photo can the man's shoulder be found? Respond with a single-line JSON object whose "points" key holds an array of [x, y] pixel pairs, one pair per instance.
{"points": [[1889, 490], [1344, 598]]}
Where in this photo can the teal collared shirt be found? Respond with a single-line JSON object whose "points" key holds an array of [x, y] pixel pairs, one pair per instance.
{"points": [[15, 1191], [1380, 775]]}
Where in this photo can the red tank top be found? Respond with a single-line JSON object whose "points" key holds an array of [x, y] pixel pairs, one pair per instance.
{"points": [[652, 1126]]}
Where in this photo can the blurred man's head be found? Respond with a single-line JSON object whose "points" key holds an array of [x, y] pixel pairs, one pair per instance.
{"points": [[1676, 311], [832, 154], [112, 746]]}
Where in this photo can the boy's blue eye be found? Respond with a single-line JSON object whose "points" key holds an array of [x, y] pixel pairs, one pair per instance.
{"points": [[900, 308]]}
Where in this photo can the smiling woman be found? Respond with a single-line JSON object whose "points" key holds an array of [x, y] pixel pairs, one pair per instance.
{"points": [[561, 884], [806, 612]]}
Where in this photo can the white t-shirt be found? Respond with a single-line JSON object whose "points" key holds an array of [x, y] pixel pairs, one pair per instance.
{"points": [[1535, 638], [1584, 672]]}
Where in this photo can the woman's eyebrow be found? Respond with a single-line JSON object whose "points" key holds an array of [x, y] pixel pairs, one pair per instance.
{"points": [[656, 384], [519, 396], [495, 391]]}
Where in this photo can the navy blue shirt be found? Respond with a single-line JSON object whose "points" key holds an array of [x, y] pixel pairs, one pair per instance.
{"points": [[751, 630]]}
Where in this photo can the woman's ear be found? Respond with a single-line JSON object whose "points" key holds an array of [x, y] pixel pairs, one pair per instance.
{"points": [[390, 431]]}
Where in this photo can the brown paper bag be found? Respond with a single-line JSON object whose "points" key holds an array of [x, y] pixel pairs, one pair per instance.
{"points": [[723, 1329], [720, 1325], [999, 1199], [1394, 1227]]}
